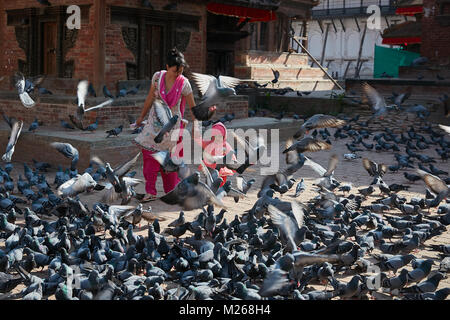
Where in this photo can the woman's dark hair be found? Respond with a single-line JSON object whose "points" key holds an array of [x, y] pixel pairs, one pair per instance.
{"points": [[176, 58]]}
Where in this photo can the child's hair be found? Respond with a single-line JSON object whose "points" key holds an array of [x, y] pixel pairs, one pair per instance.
{"points": [[176, 58]]}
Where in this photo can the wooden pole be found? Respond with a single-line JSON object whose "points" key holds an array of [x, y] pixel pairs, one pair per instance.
{"points": [[320, 66]]}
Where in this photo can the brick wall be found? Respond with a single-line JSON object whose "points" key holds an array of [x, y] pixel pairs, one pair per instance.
{"points": [[435, 37], [51, 113]]}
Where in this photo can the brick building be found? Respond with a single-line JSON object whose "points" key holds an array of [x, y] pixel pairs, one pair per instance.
{"points": [[122, 42], [436, 31]]}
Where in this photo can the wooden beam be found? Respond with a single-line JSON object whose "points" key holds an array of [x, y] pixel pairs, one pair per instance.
{"points": [[99, 44], [334, 26], [320, 25], [357, 24], [346, 68], [360, 51], [342, 24], [325, 44], [320, 66]]}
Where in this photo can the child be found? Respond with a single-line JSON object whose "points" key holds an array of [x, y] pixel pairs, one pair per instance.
{"points": [[217, 146]]}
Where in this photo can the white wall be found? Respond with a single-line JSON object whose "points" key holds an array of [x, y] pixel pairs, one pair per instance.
{"points": [[345, 45]]}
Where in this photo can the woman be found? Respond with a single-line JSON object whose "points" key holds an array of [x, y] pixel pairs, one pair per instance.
{"points": [[176, 91]]}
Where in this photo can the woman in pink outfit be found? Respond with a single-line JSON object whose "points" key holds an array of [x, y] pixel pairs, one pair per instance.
{"points": [[175, 90]]}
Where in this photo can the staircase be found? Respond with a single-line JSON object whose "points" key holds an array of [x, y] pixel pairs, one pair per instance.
{"points": [[295, 72]]}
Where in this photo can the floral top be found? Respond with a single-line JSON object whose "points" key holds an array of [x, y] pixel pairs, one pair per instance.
{"points": [[175, 99]]}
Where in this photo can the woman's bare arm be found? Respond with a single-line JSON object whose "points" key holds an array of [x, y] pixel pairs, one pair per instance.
{"points": [[147, 105]]}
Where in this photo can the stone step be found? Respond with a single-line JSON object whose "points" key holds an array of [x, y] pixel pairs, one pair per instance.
{"points": [[265, 57], [286, 72]]}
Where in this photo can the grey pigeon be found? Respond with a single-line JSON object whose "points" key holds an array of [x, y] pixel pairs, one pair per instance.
{"points": [[214, 90]]}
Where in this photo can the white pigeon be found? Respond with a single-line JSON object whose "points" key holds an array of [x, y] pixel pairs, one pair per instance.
{"points": [[16, 129], [77, 185], [23, 95]]}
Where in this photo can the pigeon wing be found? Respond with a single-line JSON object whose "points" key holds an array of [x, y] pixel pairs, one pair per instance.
{"points": [[376, 101], [298, 213], [283, 222], [228, 82], [82, 91], [332, 164], [433, 182], [101, 105], [315, 166], [122, 169], [204, 82], [323, 121], [163, 113]]}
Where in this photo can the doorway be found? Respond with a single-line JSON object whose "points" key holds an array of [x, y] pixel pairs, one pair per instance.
{"points": [[50, 36]]}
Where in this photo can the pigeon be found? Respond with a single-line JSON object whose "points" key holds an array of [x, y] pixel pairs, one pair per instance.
{"points": [[289, 227], [93, 126], [26, 100], [399, 99], [374, 169], [114, 132], [299, 188], [106, 92], [77, 185], [190, 194], [67, 125], [276, 76], [91, 90], [213, 90], [178, 222], [420, 61], [429, 285], [376, 102], [67, 150], [134, 90], [308, 144], [165, 118], [34, 125], [318, 121], [14, 136], [171, 164], [82, 92], [436, 185], [243, 185]]}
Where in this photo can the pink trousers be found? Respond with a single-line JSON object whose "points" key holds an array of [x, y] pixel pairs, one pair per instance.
{"points": [[151, 169]]}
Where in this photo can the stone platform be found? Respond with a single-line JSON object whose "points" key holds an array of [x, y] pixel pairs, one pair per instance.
{"points": [[424, 89]]}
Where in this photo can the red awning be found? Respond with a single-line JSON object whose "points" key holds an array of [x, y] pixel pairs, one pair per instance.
{"points": [[409, 11], [242, 12], [402, 41]]}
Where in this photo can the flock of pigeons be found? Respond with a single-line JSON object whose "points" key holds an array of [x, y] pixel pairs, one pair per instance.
{"points": [[274, 250]]}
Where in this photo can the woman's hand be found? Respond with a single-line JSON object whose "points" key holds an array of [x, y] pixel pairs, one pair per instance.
{"points": [[139, 122]]}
